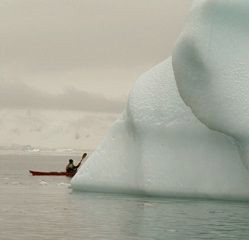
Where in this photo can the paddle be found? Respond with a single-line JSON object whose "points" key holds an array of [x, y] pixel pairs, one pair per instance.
{"points": [[83, 156]]}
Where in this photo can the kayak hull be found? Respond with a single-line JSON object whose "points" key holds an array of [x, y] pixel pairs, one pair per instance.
{"points": [[37, 173]]}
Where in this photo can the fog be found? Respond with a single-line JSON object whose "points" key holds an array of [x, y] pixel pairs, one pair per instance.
{"points": [[81, 55]]}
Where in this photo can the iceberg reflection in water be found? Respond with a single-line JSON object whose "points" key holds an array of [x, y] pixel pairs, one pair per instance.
{"points": [[45, 208]]}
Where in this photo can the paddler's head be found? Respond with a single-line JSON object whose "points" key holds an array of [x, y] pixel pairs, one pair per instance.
{"points": [[70, 160]]}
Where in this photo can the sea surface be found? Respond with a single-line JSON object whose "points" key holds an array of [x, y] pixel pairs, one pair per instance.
{"points": [[46, 208]]}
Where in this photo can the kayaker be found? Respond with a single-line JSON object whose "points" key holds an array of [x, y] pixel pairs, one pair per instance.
{"points": [[71, 167]]}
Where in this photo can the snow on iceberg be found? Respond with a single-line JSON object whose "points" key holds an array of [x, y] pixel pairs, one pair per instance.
{"points": [[158, 147]]}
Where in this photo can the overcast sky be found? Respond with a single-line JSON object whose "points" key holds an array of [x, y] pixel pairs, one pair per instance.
{"points": [[82, 54]]}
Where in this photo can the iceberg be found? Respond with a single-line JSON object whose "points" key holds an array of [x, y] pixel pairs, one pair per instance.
{"points": [[211, 62], [184, 130]]}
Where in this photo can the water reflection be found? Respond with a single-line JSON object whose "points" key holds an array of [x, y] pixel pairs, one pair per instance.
{"points": [[141, 218], [47, 209]]}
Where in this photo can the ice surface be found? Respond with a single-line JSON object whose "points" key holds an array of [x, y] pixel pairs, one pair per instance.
{"points": [[158, 146], [50, 131], [211, 62]]}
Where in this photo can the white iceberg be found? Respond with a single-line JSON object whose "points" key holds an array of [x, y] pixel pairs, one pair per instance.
{"points": [[158, 147], [211, 66]]}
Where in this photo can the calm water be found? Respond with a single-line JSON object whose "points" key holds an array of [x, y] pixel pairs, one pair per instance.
{"points": [[46, 208]]}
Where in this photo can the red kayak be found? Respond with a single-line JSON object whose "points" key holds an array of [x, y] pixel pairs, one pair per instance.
{"points": [[36, 173]]}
